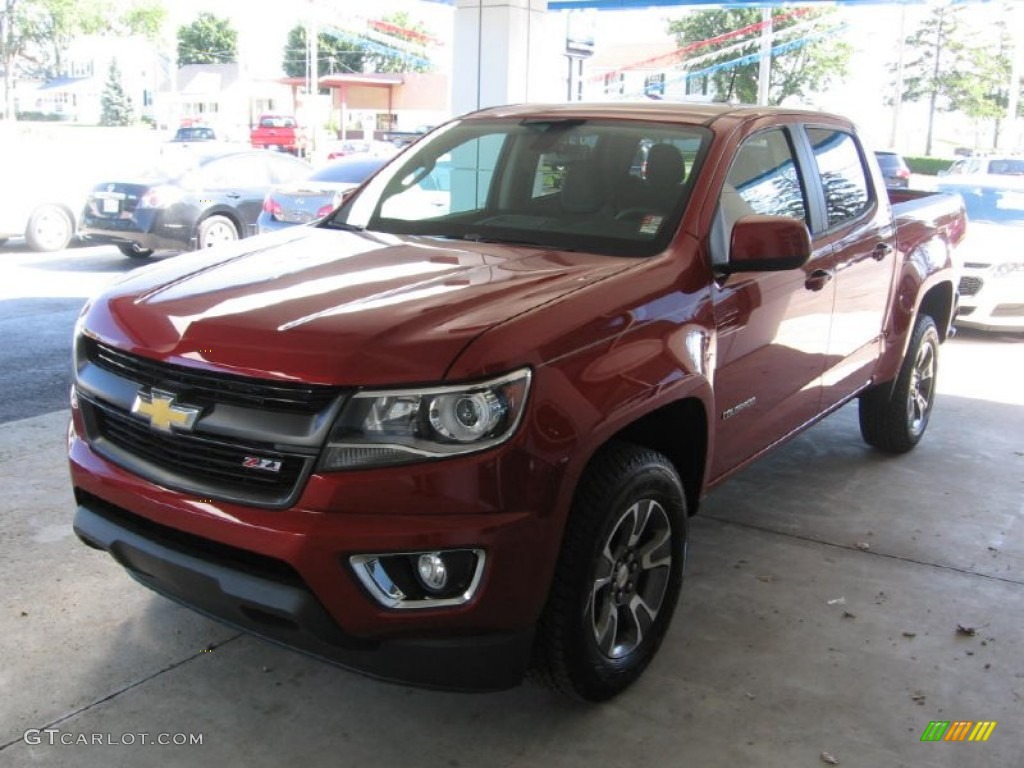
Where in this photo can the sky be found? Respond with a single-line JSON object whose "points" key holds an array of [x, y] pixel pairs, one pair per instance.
{"points": [[873, 32]]}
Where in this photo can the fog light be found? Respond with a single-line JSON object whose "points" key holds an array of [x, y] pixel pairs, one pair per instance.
{"points": [[432, 571], [438, 579]]}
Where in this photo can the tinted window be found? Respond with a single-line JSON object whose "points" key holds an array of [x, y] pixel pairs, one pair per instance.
{"points": [[842, 174], [1006, 167], [347, 172], [888, 162], [558, 183], [285, 167], [763, 180], [238, 171], [764, 175], [277, 122]]}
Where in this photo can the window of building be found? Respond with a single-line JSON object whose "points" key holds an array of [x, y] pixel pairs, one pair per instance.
{"points": [[654, 85]]}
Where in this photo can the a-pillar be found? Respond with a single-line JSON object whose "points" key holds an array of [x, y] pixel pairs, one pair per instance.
{"points": [[502, 54]]}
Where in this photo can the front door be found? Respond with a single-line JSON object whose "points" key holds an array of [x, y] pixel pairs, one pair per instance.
{"points": [[772, 327]]}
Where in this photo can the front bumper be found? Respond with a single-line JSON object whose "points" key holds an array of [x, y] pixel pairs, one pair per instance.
{"points": [[254, 595], [286, 574], [991, 303]]}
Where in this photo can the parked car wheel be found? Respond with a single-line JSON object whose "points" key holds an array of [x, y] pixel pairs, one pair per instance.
{"points": [[132, 251], [618, 576], [49, 228], [215, 230], [893, 417]]}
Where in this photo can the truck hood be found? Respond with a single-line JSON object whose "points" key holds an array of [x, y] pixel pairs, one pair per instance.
{"points": [[333, 307]]}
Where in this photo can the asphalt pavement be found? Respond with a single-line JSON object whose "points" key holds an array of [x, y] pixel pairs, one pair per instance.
{"points": [[835, 604], [41, 295]]}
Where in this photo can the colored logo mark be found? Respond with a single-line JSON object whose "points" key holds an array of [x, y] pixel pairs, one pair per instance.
{"points": [[958, 730]]}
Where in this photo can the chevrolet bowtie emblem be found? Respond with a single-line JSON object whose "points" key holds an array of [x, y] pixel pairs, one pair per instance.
{"points": [[163, 413]]}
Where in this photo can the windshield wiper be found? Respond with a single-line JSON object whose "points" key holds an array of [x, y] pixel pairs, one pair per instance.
{"points": [[342, 225], [476, 237]]}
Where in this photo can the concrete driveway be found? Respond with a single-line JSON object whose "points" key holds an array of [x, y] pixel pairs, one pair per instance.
{"points": [[836, 602]]}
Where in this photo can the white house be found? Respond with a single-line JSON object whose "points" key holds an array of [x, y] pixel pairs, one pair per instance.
{"points": [[76, 94]]}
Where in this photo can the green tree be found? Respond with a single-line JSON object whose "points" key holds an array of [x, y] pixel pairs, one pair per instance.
{"points": [[61, 21], [207, 40], [939, 63], [334, 54], [796, 72], [981, 89], [116, 104], [145, 18], [415, 61], [20, 31]]}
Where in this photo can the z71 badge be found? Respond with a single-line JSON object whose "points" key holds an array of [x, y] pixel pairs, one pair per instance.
{"points": [[267, 465]]}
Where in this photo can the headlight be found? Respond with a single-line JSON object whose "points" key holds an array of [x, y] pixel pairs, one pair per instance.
{"points": [[380, 428], [1008, 268]]}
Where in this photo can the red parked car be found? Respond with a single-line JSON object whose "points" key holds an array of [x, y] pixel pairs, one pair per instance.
{"points": [[277, 132], [440, 444]]}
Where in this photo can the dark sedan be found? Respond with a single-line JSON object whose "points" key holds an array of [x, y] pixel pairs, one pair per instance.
{"points": [[187, 203], [312, 198], [894, 169]]}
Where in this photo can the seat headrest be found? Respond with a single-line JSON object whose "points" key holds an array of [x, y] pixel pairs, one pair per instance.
{"points": [[665, 166]]}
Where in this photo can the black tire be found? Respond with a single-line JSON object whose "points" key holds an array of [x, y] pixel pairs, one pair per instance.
{"points": [[894, 416], [216, 229], [50, 228], [582, 649], [132, 251]]}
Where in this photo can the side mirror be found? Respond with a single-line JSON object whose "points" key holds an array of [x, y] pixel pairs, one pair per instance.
{"points": [[768, 244]]}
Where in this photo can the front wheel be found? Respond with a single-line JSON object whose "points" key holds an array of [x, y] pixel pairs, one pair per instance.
{"points": [[618, 576], [893, 417]]}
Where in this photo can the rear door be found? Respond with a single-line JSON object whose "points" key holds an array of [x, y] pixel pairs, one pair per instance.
{"points": [[862, 239]]}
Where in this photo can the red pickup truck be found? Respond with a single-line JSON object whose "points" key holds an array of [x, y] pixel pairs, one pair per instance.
{"points": [[277, 132], [445, 444]]}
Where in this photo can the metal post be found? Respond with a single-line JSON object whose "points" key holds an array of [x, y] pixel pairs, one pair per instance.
{"points": [[765, 71], [897, 97]]}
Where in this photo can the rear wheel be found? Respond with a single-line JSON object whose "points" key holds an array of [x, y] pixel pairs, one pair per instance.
{"points": [[216, 230], [49, 229], [618, 576], [893, 417], [133, 251]]}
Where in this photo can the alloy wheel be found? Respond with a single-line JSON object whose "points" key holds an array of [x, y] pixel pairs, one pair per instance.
{"points": [[631, 578]]}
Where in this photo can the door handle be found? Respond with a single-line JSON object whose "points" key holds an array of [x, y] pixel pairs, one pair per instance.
{"points": [[881, 251], [818, 279], [232, 195]]}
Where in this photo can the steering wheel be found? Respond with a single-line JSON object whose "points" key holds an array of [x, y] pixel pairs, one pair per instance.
{"points": [[634, 213]]}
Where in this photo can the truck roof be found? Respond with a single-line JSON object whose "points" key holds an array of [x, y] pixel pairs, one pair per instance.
{"points": [[698, 113]]}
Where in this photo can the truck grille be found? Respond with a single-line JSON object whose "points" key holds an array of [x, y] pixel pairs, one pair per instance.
{"points": [[204, 386], [970, 285], [196, 463]]}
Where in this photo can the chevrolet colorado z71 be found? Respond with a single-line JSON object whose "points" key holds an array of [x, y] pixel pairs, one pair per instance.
{"points": [[444, 444]]}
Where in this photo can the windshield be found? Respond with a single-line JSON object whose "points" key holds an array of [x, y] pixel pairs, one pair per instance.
{"points": [[604, 186]]}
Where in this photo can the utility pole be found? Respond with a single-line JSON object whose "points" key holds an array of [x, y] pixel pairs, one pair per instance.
{"points": [[312, 79], [897, 97], [765, 70], [1016, 29]]}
